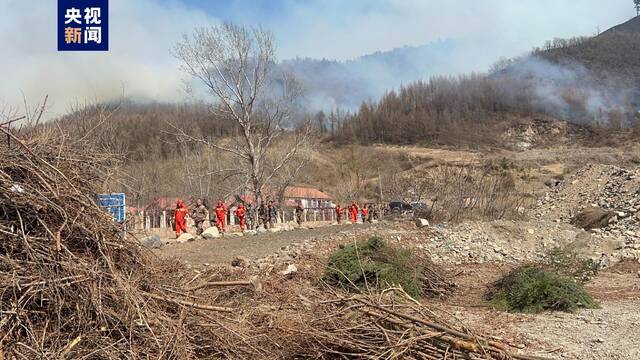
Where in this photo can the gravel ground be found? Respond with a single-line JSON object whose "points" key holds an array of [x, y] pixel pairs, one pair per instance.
{"points": [[610, 332], [607, 333]]}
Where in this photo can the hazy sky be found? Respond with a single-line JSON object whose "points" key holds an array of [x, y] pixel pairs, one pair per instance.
{"points": [[143, 31]]}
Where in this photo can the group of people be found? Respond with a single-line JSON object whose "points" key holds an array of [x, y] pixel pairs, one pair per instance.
{"points": [[267, 215], [368, 212]]}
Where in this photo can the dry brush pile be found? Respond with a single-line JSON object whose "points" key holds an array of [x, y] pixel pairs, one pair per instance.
{"points": [[390, 325], [72, 286]]}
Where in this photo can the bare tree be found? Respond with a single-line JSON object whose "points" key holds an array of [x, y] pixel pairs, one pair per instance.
{"points": [[236, 65], [290, 173], [637, 4]]}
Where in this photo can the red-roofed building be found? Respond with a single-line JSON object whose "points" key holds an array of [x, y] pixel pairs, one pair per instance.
{"points": [[309, 197]]}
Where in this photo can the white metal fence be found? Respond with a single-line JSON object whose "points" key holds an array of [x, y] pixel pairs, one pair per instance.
{"points": [[157, 219]]}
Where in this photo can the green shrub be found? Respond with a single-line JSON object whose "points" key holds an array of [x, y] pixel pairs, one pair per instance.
{"points": [[534, 289], [373, 264], [567, 262]]}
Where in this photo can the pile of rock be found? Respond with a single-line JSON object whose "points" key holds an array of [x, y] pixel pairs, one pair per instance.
{"points": [[606, 187], [487, 242], [622, 196]]}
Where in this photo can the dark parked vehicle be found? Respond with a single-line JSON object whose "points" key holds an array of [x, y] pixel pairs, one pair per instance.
{"points": [[400, 207]]}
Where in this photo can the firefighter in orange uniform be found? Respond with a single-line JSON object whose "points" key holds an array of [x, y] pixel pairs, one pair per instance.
{"points": [[221, 216], [180, 214], [365, 213], [240, 213], [353, 212]]}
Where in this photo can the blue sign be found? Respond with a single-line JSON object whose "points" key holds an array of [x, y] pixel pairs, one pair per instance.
{"points": [[83, 25], [115, 204]]}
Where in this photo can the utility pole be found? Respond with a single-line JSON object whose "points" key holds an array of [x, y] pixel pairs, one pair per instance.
{"points": [[380, 180], [380, 188]]}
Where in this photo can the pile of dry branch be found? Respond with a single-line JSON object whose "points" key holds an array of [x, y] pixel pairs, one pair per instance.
{"points": [[71, 285], [389, 325]]}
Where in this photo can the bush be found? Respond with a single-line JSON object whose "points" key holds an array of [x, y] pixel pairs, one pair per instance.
{"points": [[372, 264], [534, 289], [567, 262]]}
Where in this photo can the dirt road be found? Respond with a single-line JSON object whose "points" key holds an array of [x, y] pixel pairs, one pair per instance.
{"points": [[222, 250]]}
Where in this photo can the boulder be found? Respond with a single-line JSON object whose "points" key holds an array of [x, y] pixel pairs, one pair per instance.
{"points": [[275, 229], [152, 242], [185, 237], [250, 232], [593, 218], [261, 230], [211, 233], [422, 223]]}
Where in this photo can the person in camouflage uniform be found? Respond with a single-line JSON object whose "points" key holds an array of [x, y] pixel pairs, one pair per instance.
{"points": [[299, 213], [272, 213], [263, 216], [199, 214], [250, 217]]}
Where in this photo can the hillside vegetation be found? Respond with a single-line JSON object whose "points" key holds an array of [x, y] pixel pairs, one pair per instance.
{"points": [[590, 81], [613, 54]]}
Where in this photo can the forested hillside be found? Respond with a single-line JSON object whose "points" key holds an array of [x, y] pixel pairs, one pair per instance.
{"points": [[588, 81], [331, 84], [611, 55], [585, 81], [144, 131]]}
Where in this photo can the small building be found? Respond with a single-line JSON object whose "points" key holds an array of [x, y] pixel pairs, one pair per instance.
{"points": [[310, 198]]}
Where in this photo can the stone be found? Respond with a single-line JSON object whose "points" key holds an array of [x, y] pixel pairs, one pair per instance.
{"points": [[152, 242], [274, 229], [261, 230], [185, 237], [240, 261], [257, 284], [422, 223], [290, 270], [250, 232], [211, 233]]}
